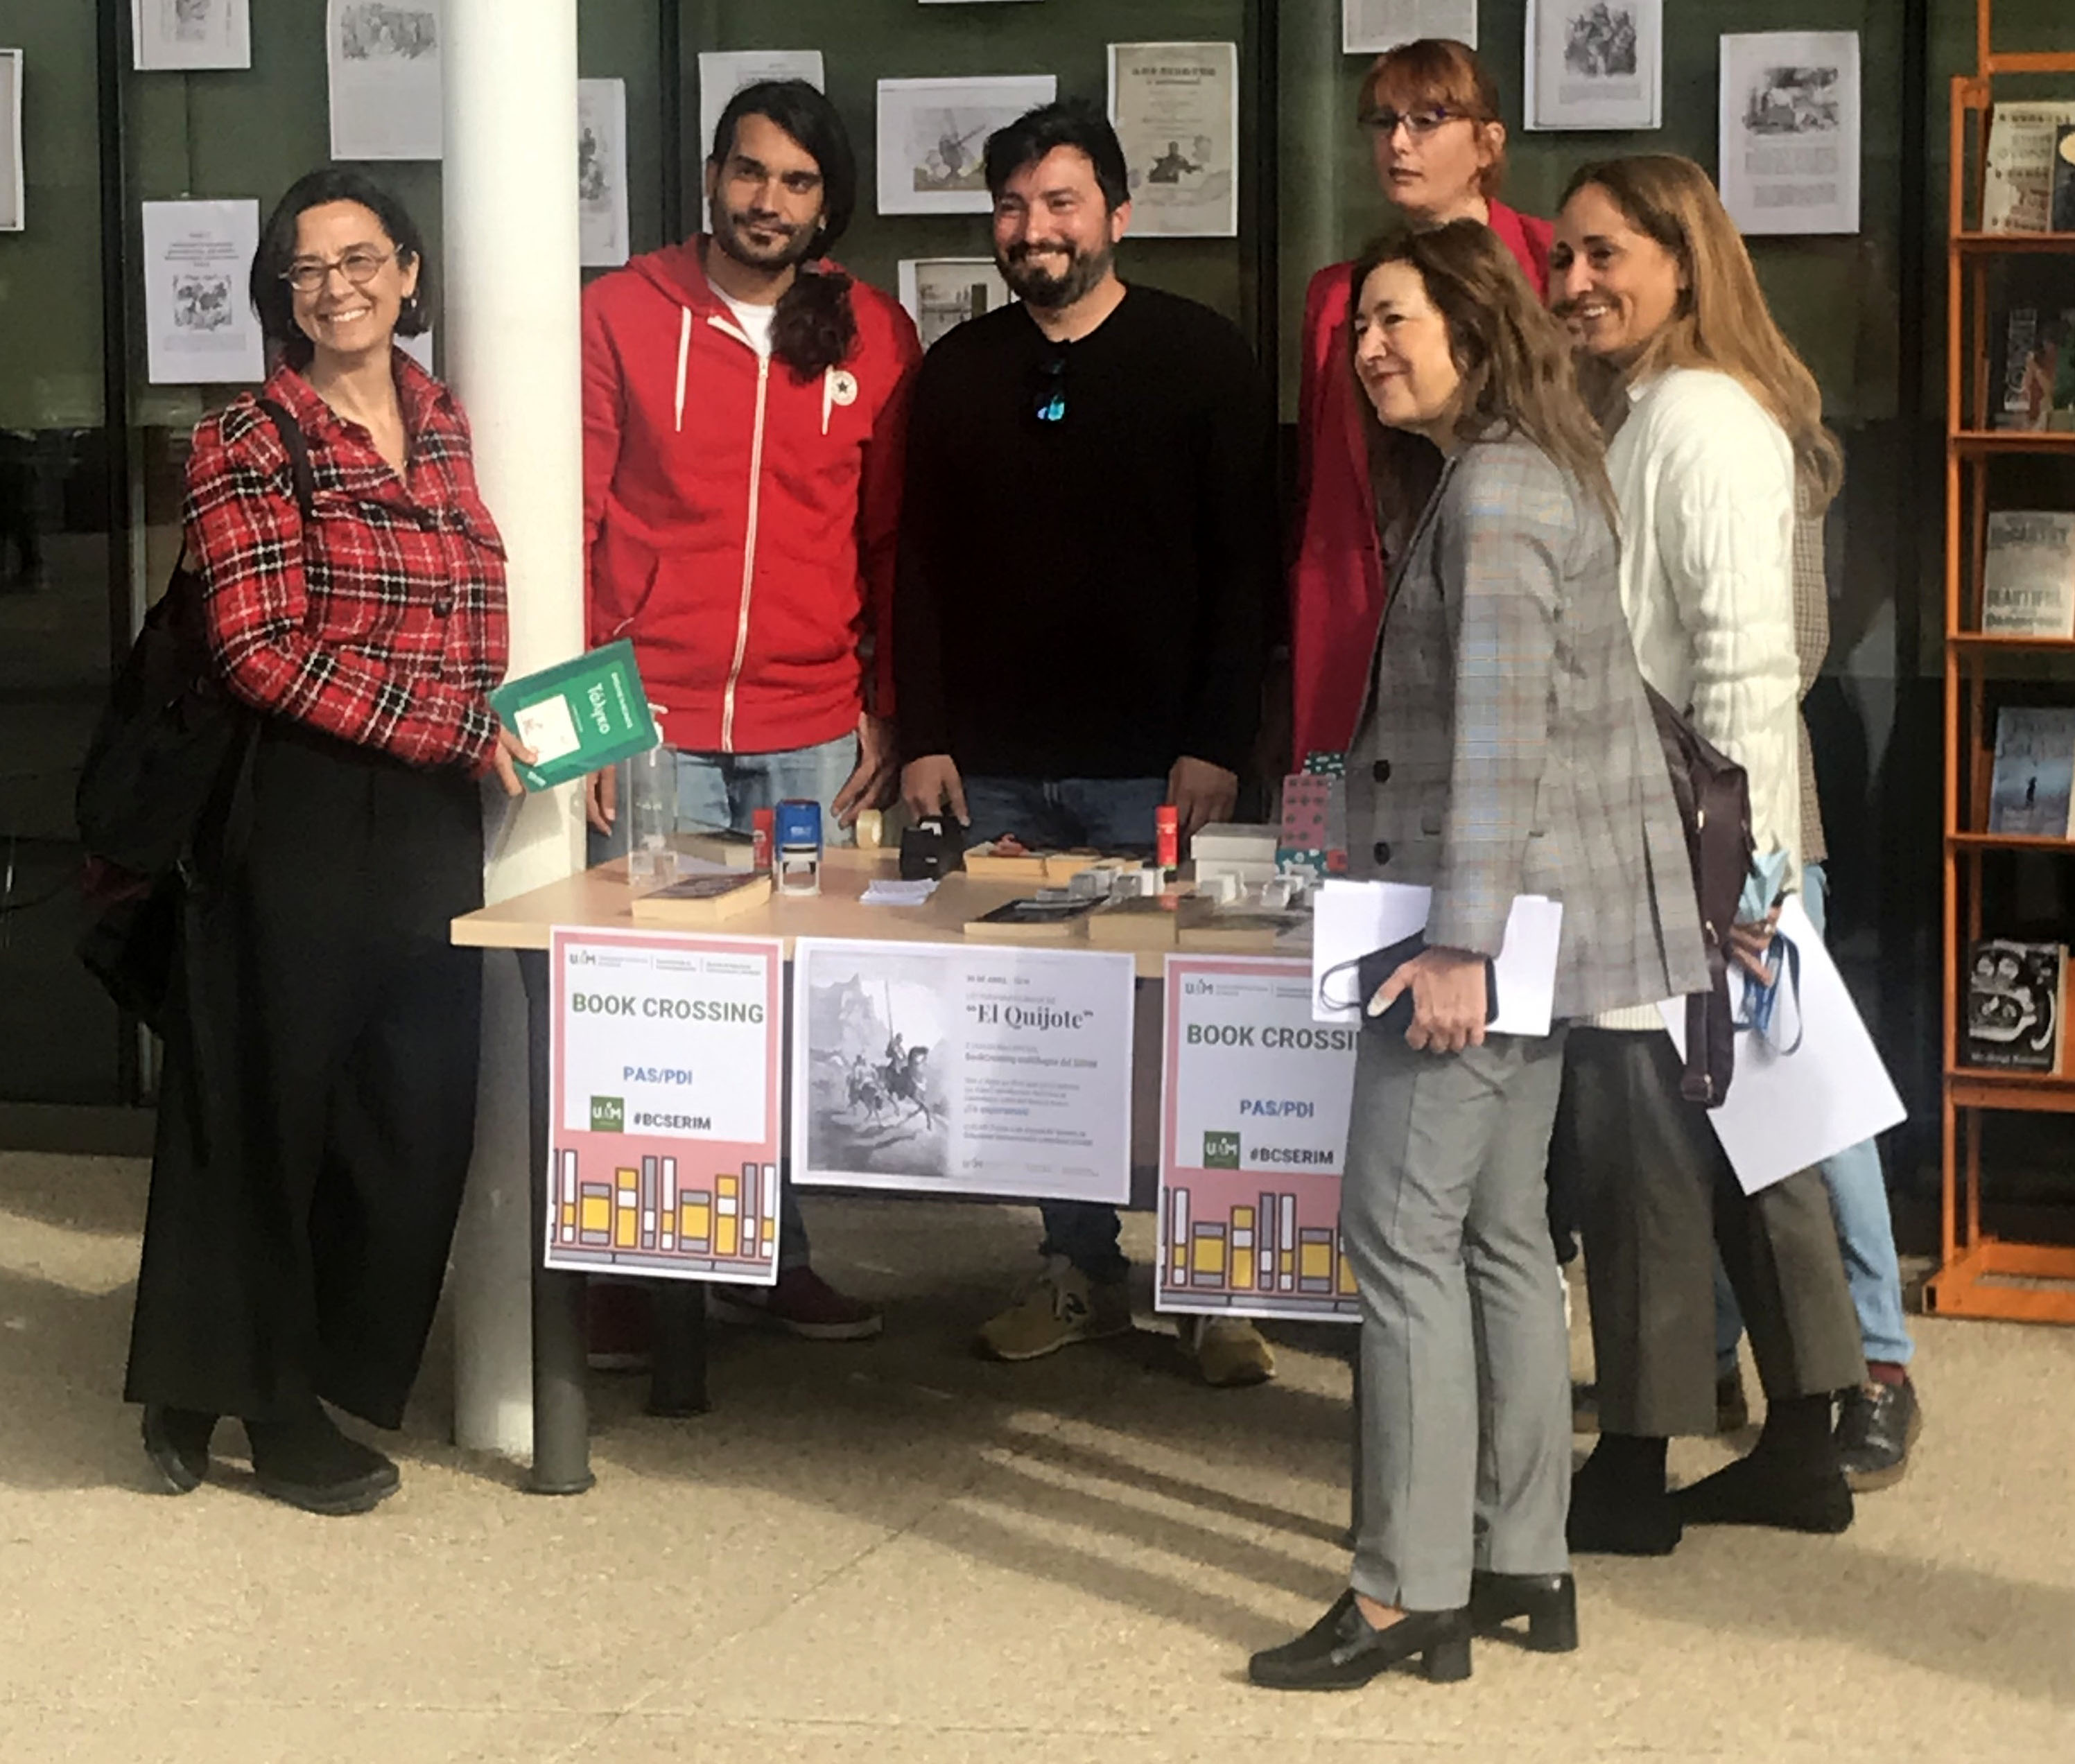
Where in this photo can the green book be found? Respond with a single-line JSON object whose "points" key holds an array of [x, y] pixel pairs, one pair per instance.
{"points": [[578, 715]]}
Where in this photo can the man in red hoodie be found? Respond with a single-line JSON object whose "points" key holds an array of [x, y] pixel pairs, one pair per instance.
{"points": [[743, 407]]}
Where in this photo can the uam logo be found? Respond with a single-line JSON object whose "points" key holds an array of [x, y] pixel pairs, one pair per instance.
{"points": [[1220, 1151], [608, 1114]]}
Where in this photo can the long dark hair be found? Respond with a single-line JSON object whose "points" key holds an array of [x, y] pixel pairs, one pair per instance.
{"points": [[1514, 357], [815, 326], [271, 297]]}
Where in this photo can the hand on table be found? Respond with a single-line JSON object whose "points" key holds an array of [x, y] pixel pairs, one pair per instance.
{"points": [[872, 784], [602, 798], [930, 783], [1201, 792]]}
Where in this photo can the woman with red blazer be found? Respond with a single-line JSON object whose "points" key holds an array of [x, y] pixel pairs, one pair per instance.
{"points": [[1431, 114]]}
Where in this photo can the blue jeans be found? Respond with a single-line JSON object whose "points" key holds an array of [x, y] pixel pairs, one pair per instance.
{"points": [[722, 790], [1865, 1234], [1114, 815]]}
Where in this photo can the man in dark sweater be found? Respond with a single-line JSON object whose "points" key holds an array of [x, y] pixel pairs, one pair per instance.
{"points": [[1087, 541]]}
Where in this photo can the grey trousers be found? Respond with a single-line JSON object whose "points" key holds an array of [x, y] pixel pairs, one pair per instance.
{"points": [[1656, 1198], [1465, 1457]]}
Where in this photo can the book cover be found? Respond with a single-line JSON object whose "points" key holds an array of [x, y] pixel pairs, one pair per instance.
{"points": [[2015, 993], [2035, 382], [2062, 217], [579, 715], [2018, 167], [2034, 778], [1034, 918], [703, 900], [2028, 573]]}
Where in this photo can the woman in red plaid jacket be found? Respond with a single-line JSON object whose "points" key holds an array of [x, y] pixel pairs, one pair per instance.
{"points": [[304, 1190]]}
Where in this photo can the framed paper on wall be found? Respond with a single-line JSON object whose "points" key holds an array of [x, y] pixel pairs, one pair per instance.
{"points": [[723, 72], [11, 197], [1370, 27], [170, 34], [1176, 110], [941, 293], [1790, 130], [1595, 65], [932, 134]]}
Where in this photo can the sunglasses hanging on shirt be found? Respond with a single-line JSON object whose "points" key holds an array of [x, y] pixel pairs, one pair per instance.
{"points": [[1049, 401]]}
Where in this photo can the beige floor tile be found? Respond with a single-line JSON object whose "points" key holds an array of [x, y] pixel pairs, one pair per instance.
{"points": [[107, 1732]]}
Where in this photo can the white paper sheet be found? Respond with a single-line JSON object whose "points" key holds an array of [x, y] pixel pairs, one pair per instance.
{"points": [[201, 330], [1595, 65], [1790, 131], [165, 35], [1176, 109], [1788, 1111], [12, 206], [383, 60], [723, 72], [1370, 27], [933, 132], [941, 293], [1350, 919], [601, 172]]}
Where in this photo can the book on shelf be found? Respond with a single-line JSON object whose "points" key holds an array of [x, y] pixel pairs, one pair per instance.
{"points": [[2015, 992], [2063, 217], [2033, 386], [2028, 573], [2018, 171], [2033, 780]]}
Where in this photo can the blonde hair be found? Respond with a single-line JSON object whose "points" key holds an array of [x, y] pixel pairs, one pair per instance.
{"points": [[1513, 354], [1437, 70], [1721, 321]]}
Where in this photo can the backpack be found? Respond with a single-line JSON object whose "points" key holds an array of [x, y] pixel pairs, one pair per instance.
{"points": [[160, 791], [1713, 795]]}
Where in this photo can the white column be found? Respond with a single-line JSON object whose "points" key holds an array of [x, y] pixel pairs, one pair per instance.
{"points": [[511, 341]]}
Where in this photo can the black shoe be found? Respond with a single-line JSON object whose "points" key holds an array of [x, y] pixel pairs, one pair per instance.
{"points": [[1618, 1502], [1760, 1489], [307, 1463], [1731, 1406], [176, 1441], [1548, 1601], [1342, 1650], [1876, 1427]]}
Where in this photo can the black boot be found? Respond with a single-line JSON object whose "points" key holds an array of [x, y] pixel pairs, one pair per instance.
{"points": [[1548, 1601], [304, 1460], [1618, 1502], [176, 1441], [1343, 1650], [1791, 1478]]}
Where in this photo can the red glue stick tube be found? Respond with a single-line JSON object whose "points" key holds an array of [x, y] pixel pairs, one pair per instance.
{"points": [[1167, 836]]}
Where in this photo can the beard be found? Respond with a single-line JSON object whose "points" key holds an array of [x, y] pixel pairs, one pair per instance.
{"points": [[795, 245], [1029, 279]]}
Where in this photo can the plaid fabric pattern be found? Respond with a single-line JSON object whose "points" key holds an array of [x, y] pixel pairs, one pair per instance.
{"points": [[1811, 643], [382, 624]]}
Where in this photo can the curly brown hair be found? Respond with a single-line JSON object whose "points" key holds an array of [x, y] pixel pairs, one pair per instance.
{"points": [[1513, 355]]}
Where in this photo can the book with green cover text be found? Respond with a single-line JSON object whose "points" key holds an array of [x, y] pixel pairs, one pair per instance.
{"points": [[578, 715]]}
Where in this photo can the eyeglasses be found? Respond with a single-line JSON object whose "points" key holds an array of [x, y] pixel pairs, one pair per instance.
{"points": [[1050, 405], [361, 266], [1422, 122]]}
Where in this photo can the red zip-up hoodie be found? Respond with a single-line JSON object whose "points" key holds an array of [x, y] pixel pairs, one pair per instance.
{"points": [[739, 525]]}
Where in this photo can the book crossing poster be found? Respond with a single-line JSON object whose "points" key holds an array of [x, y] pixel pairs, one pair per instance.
{"points": [[664, 1076], [1254, 1135]]}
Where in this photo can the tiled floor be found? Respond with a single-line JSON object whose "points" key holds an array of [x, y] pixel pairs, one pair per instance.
{"points": [[893, 1551]]}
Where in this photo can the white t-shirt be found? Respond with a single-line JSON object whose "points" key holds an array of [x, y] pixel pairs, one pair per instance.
{"points": [[755, 322]]}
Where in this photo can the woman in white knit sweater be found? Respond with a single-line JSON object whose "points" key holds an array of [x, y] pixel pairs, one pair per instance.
{"points": [[1710, 411]]}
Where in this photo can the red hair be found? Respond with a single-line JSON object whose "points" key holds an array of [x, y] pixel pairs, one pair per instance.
{"points": [[1437, 71]]}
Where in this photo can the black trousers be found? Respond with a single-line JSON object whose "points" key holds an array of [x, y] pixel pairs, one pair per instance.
{"points": [[317, 1110], [1656, 1198]]}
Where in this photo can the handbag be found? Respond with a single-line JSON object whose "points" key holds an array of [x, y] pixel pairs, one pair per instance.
{"points": [[1713, 794]]}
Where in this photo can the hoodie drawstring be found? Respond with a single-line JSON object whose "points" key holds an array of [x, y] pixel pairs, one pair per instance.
{"points": [[684, 354]]}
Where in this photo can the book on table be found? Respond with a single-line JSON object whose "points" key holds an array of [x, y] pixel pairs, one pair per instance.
{"points": [[2015, 994], [2029, 576], [2033, 780], [704, 900], [579, 716]]}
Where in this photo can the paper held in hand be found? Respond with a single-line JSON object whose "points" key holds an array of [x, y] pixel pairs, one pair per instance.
{"points": [[1788, 1111], [1351, 919], [579, 715]]}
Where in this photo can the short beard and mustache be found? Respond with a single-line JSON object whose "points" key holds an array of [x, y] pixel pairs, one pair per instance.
{"points": [[795, 247], [1027, 281]]}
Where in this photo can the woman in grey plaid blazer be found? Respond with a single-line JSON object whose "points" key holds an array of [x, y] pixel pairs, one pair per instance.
{"points": [[1506, 748]]}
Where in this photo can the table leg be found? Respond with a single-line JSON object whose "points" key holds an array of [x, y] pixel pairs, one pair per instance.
{"points": [[562, 1415], [678, 1385]]}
